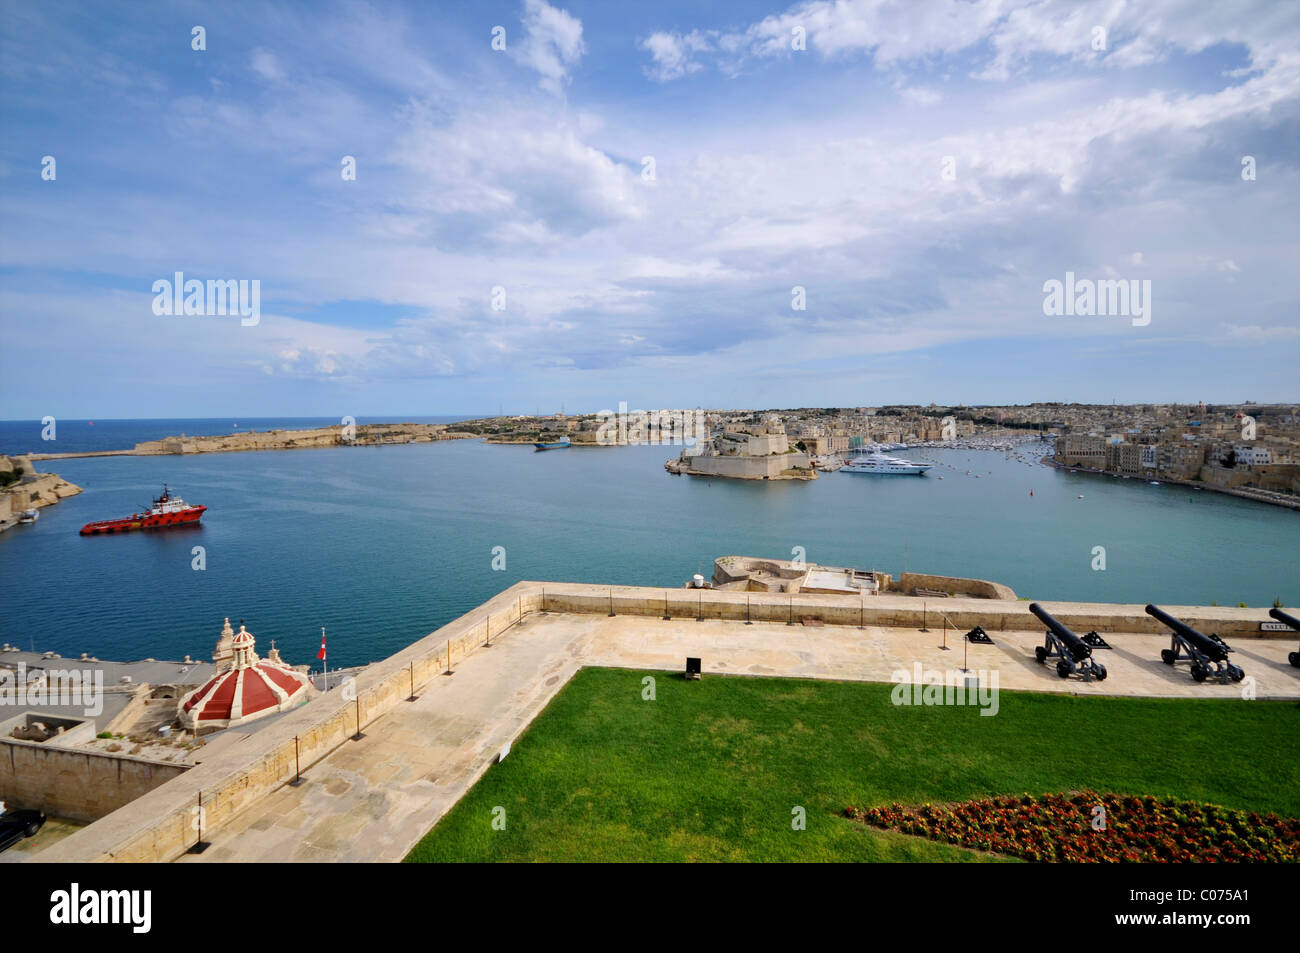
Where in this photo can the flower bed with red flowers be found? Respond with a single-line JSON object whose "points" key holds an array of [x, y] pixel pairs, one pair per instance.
{"points": [[1070, 828]]}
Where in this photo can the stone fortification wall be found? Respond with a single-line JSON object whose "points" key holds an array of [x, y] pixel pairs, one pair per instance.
{"points": [[909, 582], [964, 612], [782, 466], [76, 783]]}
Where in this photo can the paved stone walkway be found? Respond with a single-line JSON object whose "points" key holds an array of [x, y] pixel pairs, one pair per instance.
{"points": [[372, 800]]}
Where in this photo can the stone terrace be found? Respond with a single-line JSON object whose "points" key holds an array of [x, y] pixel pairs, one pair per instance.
{"points": [[373, 799]]}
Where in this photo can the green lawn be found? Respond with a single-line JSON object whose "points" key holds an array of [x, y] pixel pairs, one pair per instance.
{"points": [[711, 770]]}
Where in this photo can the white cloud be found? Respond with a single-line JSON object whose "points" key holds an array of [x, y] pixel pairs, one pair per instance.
{"points": [[673, 54], [461, 190], [893, 32], [265, 65], [919, 95], [525, 177], [552, 43], [1254, 334]]}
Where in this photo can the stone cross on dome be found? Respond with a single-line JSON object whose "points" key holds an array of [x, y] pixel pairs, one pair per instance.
{"points": [[273, 656]]}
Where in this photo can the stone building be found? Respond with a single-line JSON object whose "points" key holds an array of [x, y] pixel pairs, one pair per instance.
{"points": [[1181, 459], [1125, 458], [1082, 450]]}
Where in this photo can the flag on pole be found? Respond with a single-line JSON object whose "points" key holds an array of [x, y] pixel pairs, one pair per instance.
{"points": [[321, 653]]}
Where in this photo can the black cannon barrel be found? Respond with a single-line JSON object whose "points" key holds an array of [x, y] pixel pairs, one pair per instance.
{"points": [[1204, 644], [1078, 648], [1286, 618]]}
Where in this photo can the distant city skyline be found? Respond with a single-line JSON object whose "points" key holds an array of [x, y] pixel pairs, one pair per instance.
{"points": [[747, 205], [399, 416]]}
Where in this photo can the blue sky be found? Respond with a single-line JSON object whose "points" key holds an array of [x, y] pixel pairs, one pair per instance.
{"points": [[523, 169]]}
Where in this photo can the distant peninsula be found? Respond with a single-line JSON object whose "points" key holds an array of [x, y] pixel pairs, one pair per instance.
{"points": [[23, 490], [361, 435]]}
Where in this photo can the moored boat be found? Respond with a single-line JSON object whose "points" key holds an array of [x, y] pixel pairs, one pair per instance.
{"points": [[880, 463], [553, 445], [167, 510]]}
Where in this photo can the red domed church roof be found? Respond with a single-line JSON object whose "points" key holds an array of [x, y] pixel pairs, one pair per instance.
{"points": [[249, 689]]}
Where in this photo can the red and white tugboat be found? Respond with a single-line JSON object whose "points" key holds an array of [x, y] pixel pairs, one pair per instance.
{"points": [[166, 511]]}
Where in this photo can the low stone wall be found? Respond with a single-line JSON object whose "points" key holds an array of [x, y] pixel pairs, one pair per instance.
{"points": [[909, 582], [901, 611], [76, 783]]}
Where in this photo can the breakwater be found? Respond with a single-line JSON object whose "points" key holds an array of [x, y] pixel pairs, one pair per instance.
{"points": [[341, 435]]}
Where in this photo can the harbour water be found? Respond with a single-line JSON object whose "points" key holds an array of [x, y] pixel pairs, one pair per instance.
{"points": [[380, 545]]}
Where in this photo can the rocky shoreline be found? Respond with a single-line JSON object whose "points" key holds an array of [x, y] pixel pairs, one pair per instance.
{"points": [[22, 488]]}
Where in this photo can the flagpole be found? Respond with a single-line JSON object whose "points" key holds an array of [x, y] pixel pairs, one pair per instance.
{"points": [[325, 666]]}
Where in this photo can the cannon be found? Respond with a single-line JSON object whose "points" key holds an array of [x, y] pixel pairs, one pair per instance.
{"points": [[1072, 654], [1288, 619], [1208, 653]]}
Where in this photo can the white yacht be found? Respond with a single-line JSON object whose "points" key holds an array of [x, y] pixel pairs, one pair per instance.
{"points": [[880, 463]]}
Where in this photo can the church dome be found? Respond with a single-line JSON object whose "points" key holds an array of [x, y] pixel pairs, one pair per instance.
{"points": [[250, 689]]}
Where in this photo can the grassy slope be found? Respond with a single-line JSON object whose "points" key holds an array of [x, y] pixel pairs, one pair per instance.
{"points": [[710, 770]]}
